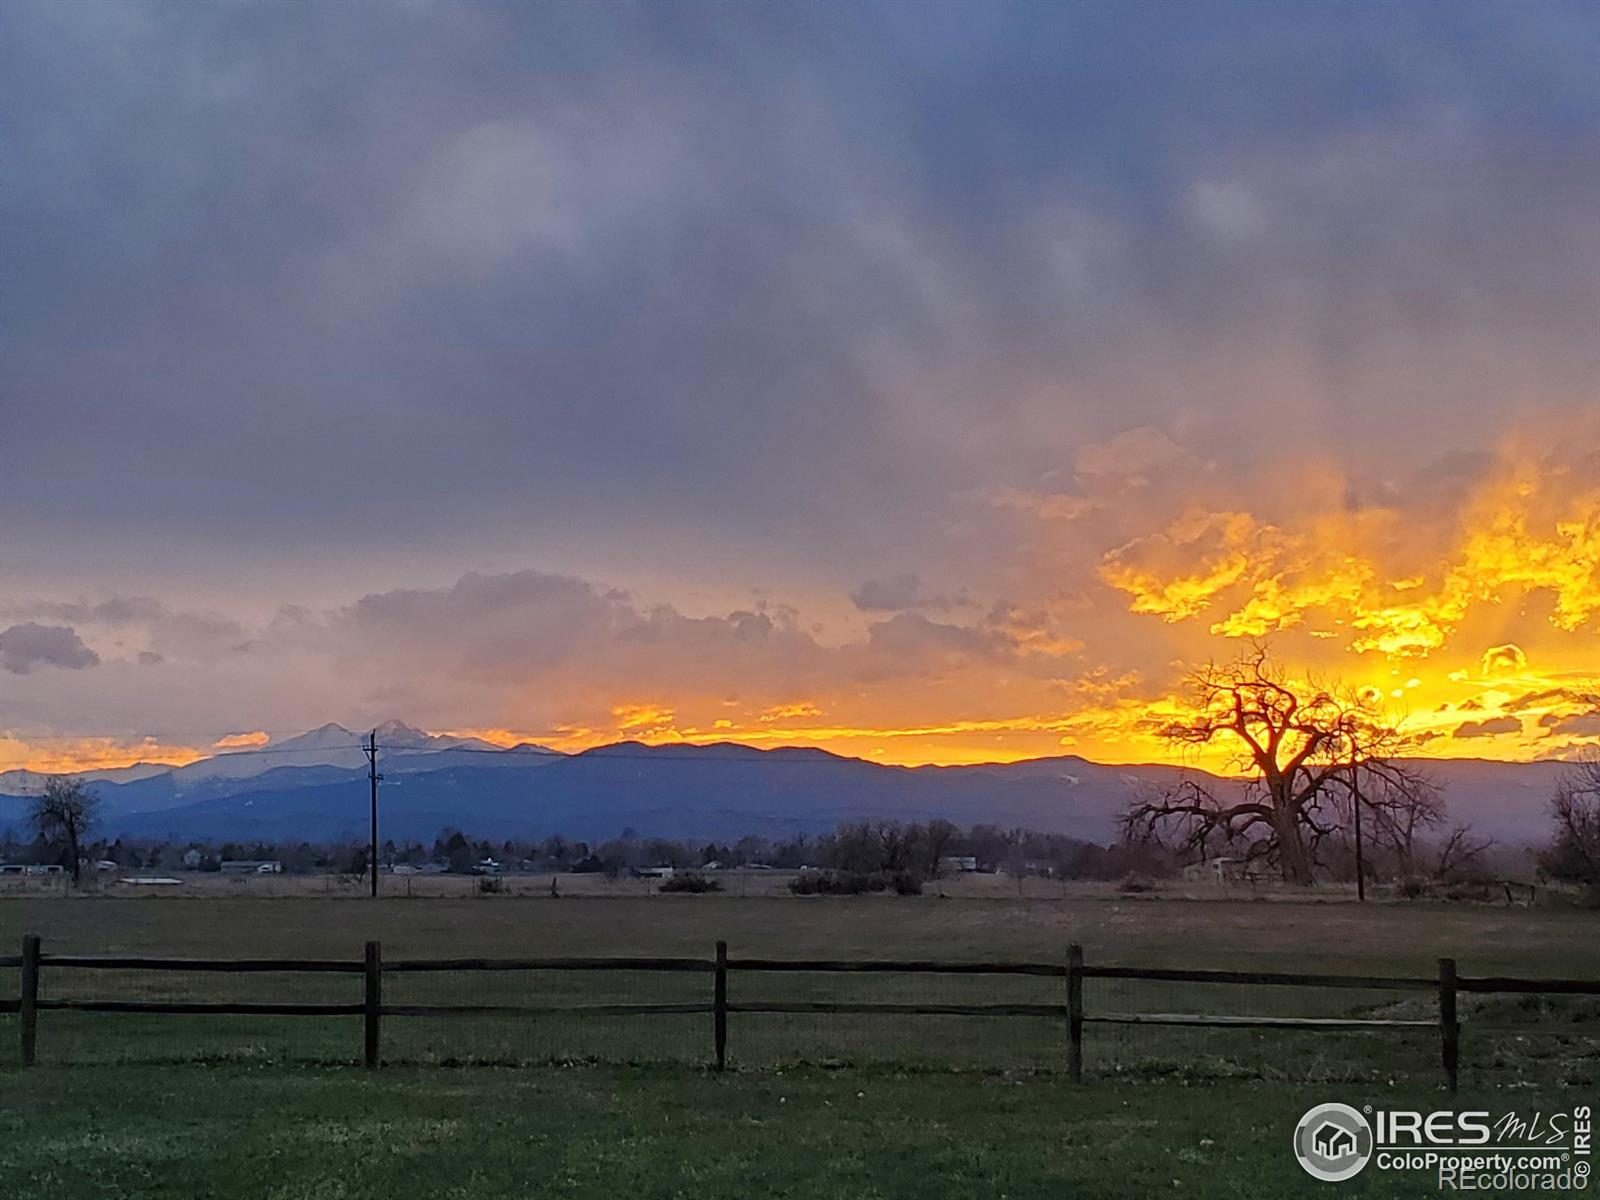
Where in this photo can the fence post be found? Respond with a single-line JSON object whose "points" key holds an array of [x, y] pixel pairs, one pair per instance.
{"points": [[719, 1005], [1075, 1011], [374, 1010], [1449, 1026], [28, 1001]]}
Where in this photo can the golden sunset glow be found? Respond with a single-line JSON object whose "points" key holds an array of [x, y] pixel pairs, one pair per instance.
{"points": [[241, 741], [1478, 631], [67, 755], [808, 403], [1520, 539]]}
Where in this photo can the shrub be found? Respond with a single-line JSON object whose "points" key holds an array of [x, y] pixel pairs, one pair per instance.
{"points": [[691, 882], [1472, 892], [907, 883], [835, 883], [491, 885]]}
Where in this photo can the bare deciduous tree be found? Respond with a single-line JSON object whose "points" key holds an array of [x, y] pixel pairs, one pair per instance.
{"points": [[1573, 855], [64, 812], [1297, 745], [1459, 853], [936, 839], [1402, 817]]}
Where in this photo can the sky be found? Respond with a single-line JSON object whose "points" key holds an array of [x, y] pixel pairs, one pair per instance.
{"points": [[929, 382]]}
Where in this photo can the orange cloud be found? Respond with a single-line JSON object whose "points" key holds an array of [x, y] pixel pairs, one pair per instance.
{"points": [[1525, 533], [645, 720], [1506, 659], [238, 741], [786, 712], [1472, 609], [65, 756]]}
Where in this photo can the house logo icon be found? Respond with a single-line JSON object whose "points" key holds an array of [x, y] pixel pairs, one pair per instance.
{"points": [[1333, 1142]]}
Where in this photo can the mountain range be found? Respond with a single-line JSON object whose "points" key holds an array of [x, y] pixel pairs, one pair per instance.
{"points": [[314, 787]]}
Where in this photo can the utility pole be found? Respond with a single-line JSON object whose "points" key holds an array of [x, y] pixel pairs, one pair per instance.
{"points": [[1355, 804], [373, 777]]}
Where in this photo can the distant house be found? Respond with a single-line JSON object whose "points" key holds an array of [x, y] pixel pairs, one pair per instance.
{"points": [[244, 866], [46, 869], [487, 866], [105, 864], [13, 869], [1228, 870], [1223, 870], [192, 859], [955, 864], [654, 872]]}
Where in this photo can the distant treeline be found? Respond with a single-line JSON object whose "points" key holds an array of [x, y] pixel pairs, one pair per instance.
{"points": [[921, 849]]}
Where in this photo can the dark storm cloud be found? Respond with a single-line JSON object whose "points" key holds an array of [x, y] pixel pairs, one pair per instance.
{"points": [[392, 301], [1584, 724], [520, 626], [896, 592], [24, 647], [551, 267], [168, 631], [1488, 728], [538, 643]]}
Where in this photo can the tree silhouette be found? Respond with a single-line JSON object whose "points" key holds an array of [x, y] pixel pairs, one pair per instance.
{"points": [[1573, 855], [1300, 747], [64, 812]]}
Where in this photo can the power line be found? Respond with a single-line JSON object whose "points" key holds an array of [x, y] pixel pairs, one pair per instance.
{"points": [[765, 755], [144, 735], [233, 752], [655, 753]]}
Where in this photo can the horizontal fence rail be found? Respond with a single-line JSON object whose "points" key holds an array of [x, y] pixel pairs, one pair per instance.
{"points": [[866, 1008], [554, 1010], [1563, 987], [1071, 1010], [1225, 1021], [548, 964], [230, 965], [200, 1007], [1265, 978], [896, 965]]}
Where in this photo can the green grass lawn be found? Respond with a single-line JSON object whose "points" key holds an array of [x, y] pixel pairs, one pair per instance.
{"points": [[607, 1132], [153, 1106]]}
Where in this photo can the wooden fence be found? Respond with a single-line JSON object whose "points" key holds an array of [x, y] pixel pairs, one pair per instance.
{"points": [[1447, 984]]}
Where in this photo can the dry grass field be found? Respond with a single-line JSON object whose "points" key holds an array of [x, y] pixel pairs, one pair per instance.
{"points": [[740, 883], [1392, 939], [744, 884], [621, 917]]}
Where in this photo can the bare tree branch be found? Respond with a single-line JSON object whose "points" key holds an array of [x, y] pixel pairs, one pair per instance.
{"points": [[64, 812], [1300, 746]]}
